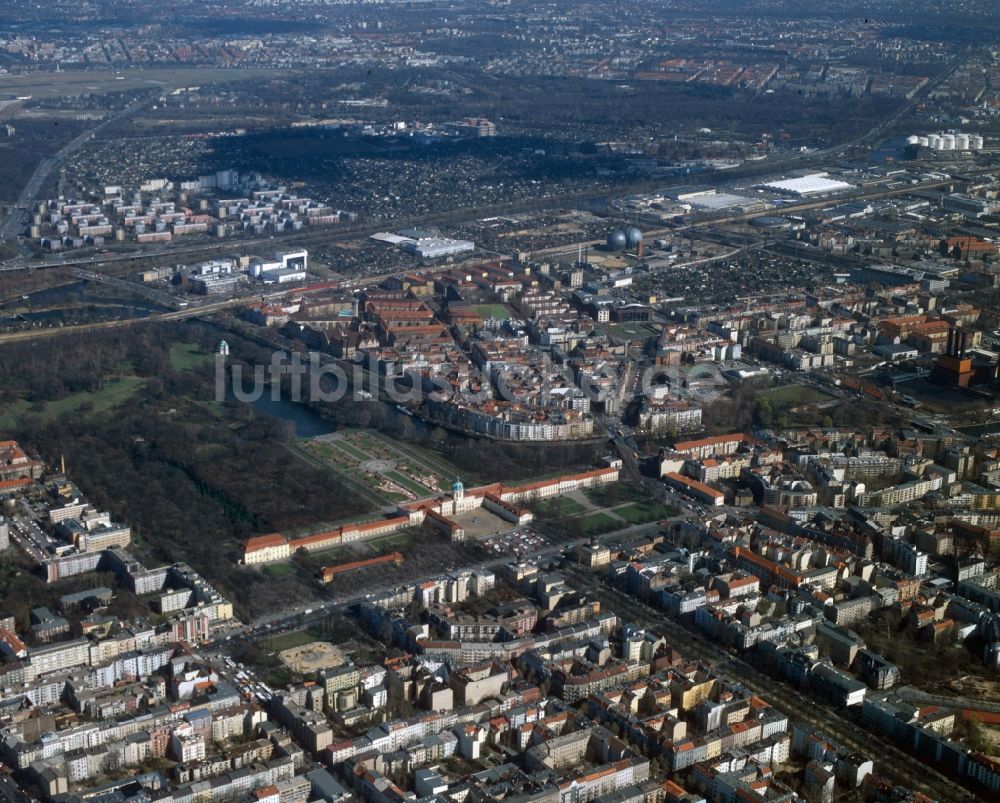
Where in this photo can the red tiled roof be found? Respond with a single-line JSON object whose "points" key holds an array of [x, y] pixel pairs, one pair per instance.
{"points": [[713, 441], [708, 490], [263, 542]]}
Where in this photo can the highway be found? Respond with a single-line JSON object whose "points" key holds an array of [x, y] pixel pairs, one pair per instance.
{"points": [[19, 216]]}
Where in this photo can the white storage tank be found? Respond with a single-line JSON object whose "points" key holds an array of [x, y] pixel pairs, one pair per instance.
{"points": [[923, 141], [961, 142], [934, 141], [947, 142], [976, 142], [913, 139]]}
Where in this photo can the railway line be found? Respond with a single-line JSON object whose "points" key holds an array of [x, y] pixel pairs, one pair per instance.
{"points": [[891, 762]]}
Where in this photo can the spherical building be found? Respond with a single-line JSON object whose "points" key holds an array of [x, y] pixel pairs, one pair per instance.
{"points": [[618, 240], [913, 139], [633, 236]]}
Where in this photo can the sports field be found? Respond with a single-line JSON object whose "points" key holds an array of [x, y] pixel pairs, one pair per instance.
{"points": [[498, 311], [794, 395], [296, 638]]}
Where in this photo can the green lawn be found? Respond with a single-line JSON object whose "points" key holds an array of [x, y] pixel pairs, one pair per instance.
{"points": [[114, 392], [336, 554], [559, 507], [428, 461], [394, 542], [410, 485], [366, 441], [278, 569], [185, 356], [632, 331], [357, 454], [295, 639], [794, 395], [595, 524], [498, 311], [364, 445], [615, 493], [643, 512], [280, 677]]}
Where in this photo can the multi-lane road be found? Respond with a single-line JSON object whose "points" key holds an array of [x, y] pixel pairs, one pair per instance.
{"points": [[890, 761], [19, 216]]}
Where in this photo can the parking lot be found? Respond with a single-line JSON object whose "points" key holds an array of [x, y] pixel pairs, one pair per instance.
{"points": [[522, 541]]}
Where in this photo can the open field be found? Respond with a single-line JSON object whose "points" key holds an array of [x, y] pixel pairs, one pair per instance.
{"points": [[278, 569], [616, 506], [287, 641], [632, 331], [114, 392], [595, 524], [498, 311], [359, 550], [351, 450], [394, 542], [644, 512], [410, 485], [389, 471], [185, 356], [480, 523], [311, 657], [558, 507], [425, 552], [337, 554], [944, 400], [85, 82], [616, 493], [986, 689], [794, 395]]}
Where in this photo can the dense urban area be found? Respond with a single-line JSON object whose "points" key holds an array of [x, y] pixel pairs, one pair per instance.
{"points": [[511, 400]]}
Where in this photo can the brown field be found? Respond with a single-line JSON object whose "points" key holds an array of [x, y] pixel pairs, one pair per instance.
{"points": [[312, 657]]}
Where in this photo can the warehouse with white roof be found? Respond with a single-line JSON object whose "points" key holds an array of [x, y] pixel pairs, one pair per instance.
{"points": [[812, 184]]}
